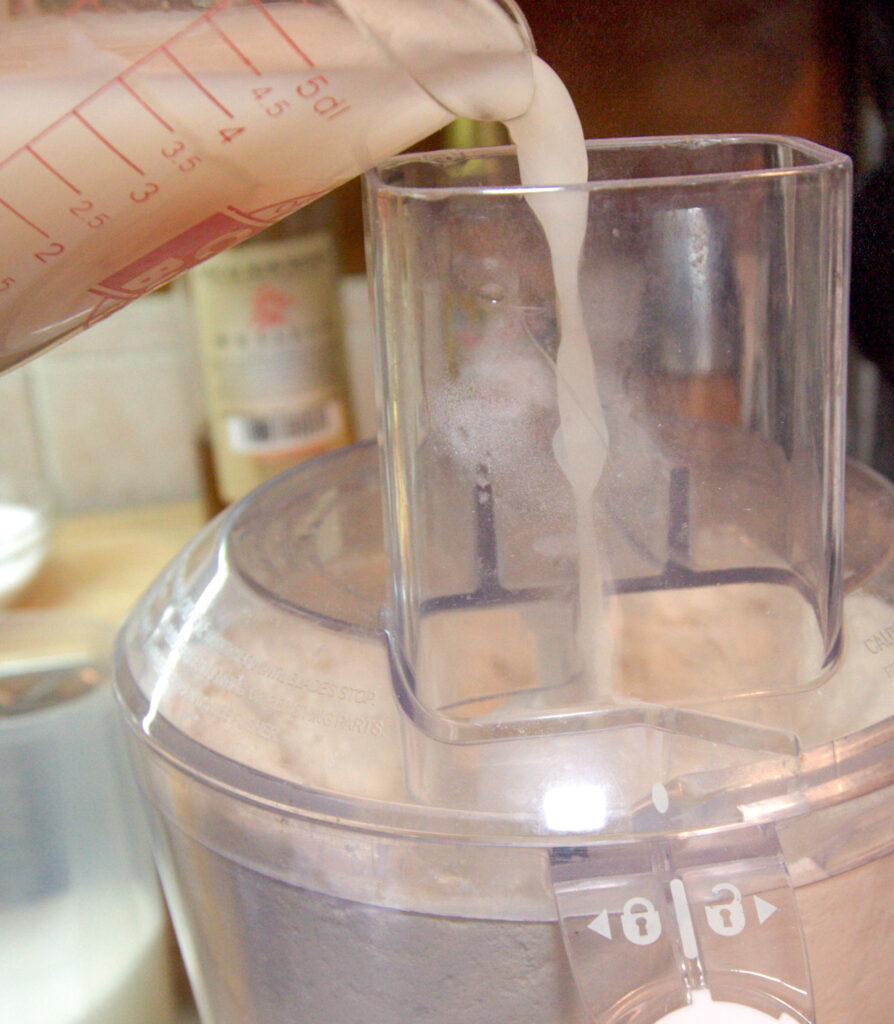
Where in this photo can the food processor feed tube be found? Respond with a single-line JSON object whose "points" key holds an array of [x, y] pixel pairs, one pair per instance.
{"points": [[552, 468], [141, 141]]}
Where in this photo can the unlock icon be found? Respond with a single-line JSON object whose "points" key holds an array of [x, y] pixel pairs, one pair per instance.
{"points": [[640, 921], [727, 918]]}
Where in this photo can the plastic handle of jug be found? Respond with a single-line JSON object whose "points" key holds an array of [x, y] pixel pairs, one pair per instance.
{"points": [[472, 56]]}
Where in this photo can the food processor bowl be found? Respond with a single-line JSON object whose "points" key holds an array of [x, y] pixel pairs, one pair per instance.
{"points": [[515, 749]]}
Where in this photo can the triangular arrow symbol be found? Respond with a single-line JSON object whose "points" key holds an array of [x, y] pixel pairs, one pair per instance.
{"points": [[764, 909], [600, 924]]}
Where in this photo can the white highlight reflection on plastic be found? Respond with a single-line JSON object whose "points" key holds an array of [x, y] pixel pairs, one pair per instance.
{"points": [[573, 807], [660, 798], [195, 619], [703, 1010]]}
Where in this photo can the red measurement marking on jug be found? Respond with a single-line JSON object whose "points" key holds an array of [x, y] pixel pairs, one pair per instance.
{"points": [[198, 243], [81, 4]]}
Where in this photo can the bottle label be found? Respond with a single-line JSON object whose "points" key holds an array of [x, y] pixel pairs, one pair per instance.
{"points": [[273, 363], [278, 433]]}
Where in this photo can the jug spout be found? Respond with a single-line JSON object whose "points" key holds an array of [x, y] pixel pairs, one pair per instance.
{"points": [[474, 58]]}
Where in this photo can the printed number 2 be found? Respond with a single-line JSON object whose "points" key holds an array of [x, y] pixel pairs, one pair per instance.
{"points": [[53, 249]]}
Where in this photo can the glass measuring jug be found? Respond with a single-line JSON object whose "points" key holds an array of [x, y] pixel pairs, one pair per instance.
{"points": [[143, 138]]}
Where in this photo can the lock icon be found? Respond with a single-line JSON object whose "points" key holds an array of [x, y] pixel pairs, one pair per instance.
{"points": [[640, 921], [728, 918]]}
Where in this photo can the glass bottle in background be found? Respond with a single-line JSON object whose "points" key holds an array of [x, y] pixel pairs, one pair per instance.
{"points": [[273, 364], [465, 133]]}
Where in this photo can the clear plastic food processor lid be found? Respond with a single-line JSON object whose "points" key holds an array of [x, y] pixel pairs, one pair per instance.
{"points": [[681, 722]]}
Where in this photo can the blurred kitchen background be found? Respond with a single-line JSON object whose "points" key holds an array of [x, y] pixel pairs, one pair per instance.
{"points": [[120, 415]]}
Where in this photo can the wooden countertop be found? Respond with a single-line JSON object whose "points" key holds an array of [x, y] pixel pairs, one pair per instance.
{"points": [[99, 564]]}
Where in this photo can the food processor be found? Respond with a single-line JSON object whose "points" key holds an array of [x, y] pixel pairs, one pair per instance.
{"points": [[396, 773]]}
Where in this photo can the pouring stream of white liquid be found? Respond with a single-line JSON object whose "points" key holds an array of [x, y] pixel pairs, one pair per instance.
{"points": [[552, 151]]}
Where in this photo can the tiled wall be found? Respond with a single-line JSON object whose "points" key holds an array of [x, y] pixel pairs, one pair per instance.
{"points": [[119, 407]]}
